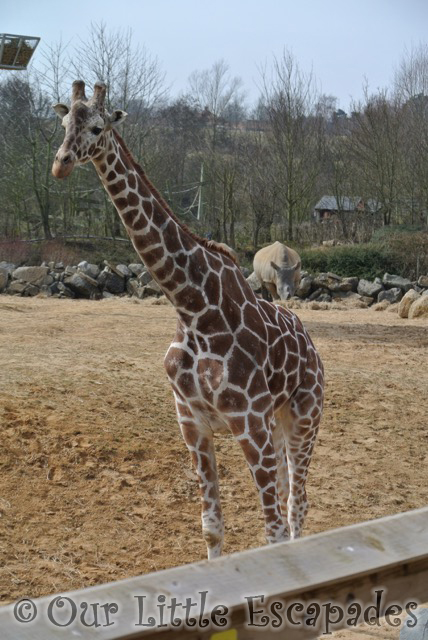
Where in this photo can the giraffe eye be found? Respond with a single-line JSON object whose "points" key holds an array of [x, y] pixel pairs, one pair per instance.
{"points": [[96, 131]]}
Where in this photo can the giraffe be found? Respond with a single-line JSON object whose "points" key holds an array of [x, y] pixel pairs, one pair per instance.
{"points": [[237, 363]]}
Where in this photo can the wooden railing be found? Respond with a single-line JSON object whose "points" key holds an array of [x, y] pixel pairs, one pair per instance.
{"points": [[351, 575]]}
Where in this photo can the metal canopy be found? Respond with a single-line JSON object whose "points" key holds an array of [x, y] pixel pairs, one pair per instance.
{"points": [[16, 51]]}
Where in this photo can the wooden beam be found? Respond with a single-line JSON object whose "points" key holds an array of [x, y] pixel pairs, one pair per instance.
{"points": [[377, 563]]}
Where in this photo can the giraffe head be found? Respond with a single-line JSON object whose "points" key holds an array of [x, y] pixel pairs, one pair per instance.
{"points": [[86, 125]]}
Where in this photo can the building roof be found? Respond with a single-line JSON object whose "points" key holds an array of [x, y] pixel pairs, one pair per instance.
{"points": [[348, 203]]}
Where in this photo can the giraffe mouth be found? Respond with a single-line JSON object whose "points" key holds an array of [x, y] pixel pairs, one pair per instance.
{"points": [[63, 165]]}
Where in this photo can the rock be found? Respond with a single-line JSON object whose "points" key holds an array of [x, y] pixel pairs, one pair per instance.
{"points": [[324, 297], [82, 285], [419, 308], [65, 292], [132, 286], [111, 282], [152, 289], [33, 275], [368, 300], [406, 302], [353, 282], [245, 272], [369, 289], [31, 290], [412, 629], [70, 271], [91, 270], [391, 281], [9, 266], [254, 282], [315, 294], [4, 279], [145, 277], [136, 268], [123, 270], [326, 280], [305, 286], [390, 295], [16, 288], [422, 282]]}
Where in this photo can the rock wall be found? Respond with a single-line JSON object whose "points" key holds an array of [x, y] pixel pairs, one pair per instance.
{"points": [[87, 280]]}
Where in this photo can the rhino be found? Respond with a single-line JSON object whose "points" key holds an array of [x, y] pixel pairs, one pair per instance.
{"points": [[278, 269]]}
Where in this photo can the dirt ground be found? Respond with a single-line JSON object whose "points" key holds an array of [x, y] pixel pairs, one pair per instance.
{"points": [[96, 483]]}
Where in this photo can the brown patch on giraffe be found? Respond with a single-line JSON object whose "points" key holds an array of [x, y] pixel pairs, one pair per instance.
{"points": [[111, 176], [166, 270], [252, 455], [129, 217], [220, 344], [237, 425], [231, 401], [117, 187], [132, 181], [186, 384], [152, 236], [196, 271], [171, 239], [238, 366], [262, 477], [212, 288], [191, 299], [211, 322], [152, 256], [177, 277], [261, 404], [139, 223], [182, 260], [133, 199], [258, 384], [210, 373], [232, 313], [119, 167]]}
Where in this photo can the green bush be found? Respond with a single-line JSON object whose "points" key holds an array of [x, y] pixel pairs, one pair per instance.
{"points": [[363, 261]]}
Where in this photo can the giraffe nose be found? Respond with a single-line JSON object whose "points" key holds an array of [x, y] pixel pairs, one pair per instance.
{"points": [[63, 164]]}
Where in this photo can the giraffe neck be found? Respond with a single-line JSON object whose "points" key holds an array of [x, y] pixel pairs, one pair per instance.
{"points": [[174, 257]]}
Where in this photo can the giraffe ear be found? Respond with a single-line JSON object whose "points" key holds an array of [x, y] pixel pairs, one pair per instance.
{"points": [[117, 117], [60, 109]]}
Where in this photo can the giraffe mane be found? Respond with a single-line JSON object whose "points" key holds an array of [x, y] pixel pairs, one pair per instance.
{"points": [[208, 244]]}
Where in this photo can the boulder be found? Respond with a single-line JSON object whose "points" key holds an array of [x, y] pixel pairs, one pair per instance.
{"points": [[82, 285], [152, 289], [324, 297], [406, 302], [390, 281], [33, 275], [254, 282], [145, 277], [9, 266], [419, 308], [111, 282], [369, 289], [390, 295], [31, 290], [17, 287], [91, 270], [305, 286], [136, 268], [326, 280], [423, 282], [65, 292], [4, 279], [124, 270]]}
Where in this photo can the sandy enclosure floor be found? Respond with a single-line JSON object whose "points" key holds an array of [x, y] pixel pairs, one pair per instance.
{"points": [[96, 483]]}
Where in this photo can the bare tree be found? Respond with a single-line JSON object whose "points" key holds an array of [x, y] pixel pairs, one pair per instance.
{"points": [[297, 134]]}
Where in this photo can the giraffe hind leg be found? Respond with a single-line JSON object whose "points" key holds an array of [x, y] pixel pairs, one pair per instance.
{"points": [[283, 482], [302, 416]]}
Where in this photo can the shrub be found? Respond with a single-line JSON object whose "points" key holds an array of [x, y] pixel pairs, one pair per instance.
{"points": [[363, 261]]}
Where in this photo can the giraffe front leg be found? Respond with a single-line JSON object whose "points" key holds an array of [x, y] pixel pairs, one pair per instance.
{"points": [[257, 445], [201, 447]]}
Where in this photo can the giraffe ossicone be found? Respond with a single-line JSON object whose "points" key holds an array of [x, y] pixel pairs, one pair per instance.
{"points": [[236, 363]]}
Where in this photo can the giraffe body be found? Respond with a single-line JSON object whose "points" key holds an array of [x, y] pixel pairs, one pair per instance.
{"points": [[237, 363]]}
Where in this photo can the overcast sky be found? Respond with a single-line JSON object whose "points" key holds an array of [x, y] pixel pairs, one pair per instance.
{"points": [[343, 41]]}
